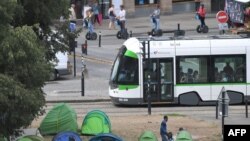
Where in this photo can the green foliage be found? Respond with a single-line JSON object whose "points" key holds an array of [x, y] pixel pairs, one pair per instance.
{"points": [[46, 13], [6, 13], [27, 45], [18, 105], [23, 71], [42, 12], [22, 57]]}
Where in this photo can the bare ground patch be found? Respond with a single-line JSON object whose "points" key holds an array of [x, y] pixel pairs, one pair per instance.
{"points": [[130, 127]]}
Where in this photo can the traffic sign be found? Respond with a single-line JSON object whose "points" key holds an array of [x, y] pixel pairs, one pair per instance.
{"points": [[222, 17]]}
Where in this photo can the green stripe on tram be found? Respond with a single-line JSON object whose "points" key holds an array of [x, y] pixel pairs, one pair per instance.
{"points": [[213, 84], [125, 87], [131, 54]]}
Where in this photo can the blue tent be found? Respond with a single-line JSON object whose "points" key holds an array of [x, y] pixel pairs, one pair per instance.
{"points": [[106, 137], [67, 136]]}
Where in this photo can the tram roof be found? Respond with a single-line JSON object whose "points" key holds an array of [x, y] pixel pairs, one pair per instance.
{"points": [[193, 37]]}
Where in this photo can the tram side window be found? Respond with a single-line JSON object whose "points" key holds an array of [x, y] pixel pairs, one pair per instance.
{"points": [[229, 68], [192, 70]]}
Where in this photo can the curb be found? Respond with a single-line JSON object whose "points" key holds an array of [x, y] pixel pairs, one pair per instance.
{"points": [[78, 101]]}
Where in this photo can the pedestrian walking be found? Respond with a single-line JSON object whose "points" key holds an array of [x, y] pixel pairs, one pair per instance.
{"points": [[112, 16], [72, 15], [163, 128], [72, 18], [95, 9], [85, 11], [122, 18], [90, 19]]}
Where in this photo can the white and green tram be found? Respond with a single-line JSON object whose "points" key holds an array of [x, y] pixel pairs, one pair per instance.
{"points": [[184, 70]]}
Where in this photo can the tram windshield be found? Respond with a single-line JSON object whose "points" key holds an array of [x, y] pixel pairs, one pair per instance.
{"points": [[125, 68]]}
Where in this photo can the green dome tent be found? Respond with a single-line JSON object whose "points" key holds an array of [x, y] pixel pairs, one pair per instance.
{"points": [[96, 122], [60, 118], [30, 138], [148, 136], [183, 136]]}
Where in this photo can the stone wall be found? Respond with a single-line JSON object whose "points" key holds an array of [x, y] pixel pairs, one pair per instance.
{"points": [[207, 4], [166, 6], [129, 7]]}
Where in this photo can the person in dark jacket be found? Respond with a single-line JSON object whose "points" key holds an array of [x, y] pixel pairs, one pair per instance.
{"points": [[163, 129]]}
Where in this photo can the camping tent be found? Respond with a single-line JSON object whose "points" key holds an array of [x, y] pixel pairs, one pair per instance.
{"points": [[148, 136], [183, 136], [60, 118], [30, 138], [67, 136], [96, 122], [106, 136]]}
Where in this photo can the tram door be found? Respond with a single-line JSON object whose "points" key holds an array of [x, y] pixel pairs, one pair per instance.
{"points": [[161, 80]]}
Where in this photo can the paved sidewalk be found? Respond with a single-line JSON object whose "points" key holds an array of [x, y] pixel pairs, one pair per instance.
{"points": [[141, 25]]}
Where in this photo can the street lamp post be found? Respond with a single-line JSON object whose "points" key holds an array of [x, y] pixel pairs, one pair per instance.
{"points": [[223, 114], [148, 64], [74, 53], [149, 80], [82, 79], [149, 96], [73, 43], [223, 104]]}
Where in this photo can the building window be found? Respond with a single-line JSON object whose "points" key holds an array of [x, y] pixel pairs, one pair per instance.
{"points": [[192, 70], [143, 2], [229, 69]]}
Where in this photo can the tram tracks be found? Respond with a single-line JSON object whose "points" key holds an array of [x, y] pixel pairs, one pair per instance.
{"points": [[82, 109]]}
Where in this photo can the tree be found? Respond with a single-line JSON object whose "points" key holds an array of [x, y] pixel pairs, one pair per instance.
{"points": [[23, 71], [44, 13], [18, 105], [22, 58], [6, 13], [26, 47]]}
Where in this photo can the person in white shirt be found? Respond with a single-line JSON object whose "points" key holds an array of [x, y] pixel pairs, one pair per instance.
{"points": [[122, 18], [72, 15]]}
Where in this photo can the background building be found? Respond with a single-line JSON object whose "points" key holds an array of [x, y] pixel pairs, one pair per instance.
{"points": [[137, 8]]}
